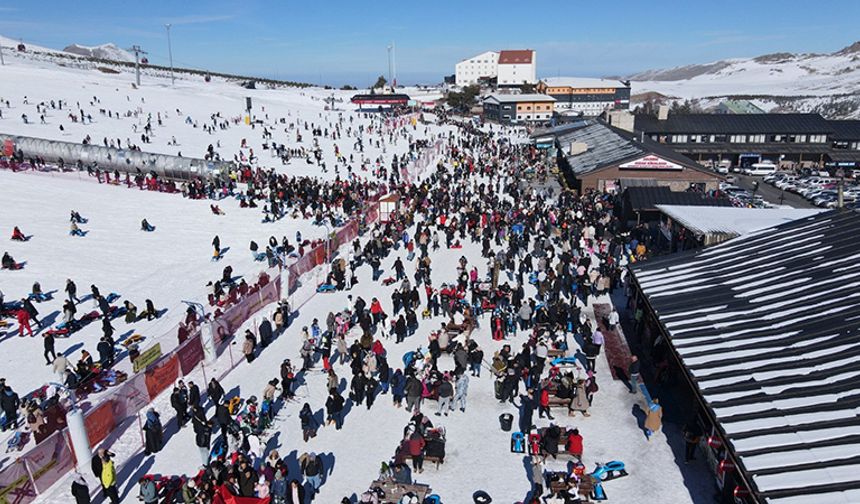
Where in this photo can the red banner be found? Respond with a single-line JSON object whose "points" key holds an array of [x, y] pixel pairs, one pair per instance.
{"points": [[50, 461], [99, 422], [160, 376], [190, 354]]}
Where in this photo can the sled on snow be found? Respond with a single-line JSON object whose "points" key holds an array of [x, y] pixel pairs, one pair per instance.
{"points": [[388, 281], [325, 287], [131, 340], [565, 360], [609, 471], [39, 297], [59, 332], [518, 442], [17, 441]]}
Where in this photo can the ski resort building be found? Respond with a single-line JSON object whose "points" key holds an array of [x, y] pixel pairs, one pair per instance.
{"points": [[585, 96], [508, 109], [598, 156], [509, 68], [789, 140], [757, 339], [517, 68], [472, 70]]}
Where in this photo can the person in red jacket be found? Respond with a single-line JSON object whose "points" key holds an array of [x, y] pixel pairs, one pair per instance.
{"points": [[416, 451], [376, 311], [543, 405], [24, 322], [574, 443], [17, 235]]}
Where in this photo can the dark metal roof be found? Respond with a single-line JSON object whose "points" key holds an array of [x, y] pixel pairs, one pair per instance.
{"points": [[845, 156], [846, 130], [605, 147], [734, 124], [768, 326], [645, 198]]}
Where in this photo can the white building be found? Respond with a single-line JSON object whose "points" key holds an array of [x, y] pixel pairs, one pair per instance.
{"points": [[518, 67], [484, 65]]}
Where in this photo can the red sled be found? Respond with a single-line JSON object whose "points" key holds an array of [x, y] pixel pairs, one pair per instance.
{"points": [[64, 332], [534, 444], [388, 281]]}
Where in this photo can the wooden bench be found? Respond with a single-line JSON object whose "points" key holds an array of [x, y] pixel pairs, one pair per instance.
{"points": [[552, 353], [427, 458]]}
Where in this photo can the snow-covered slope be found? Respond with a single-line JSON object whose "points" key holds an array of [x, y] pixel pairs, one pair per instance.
{"points": [[104, 51], [825, 83]]}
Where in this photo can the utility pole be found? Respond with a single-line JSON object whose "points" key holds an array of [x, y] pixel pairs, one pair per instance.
{"points": [[390, 71], [137, 52], [393, 66], [840, 195], [1, 55], [170, 54]]}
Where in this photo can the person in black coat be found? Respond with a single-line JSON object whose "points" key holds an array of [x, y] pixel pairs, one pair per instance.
{"points": [[334, 408], [179, 401], [265, 332], [106, 352], [31, 310], [72, 291], [153, 431], [49, 348], [215, 390], [527, 410], [193, 394], [104, 306], [202, 432], [222, 416], [80, 490]]}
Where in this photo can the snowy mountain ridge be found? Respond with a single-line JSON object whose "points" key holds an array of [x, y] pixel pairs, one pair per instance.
{"points": [[804, 82], [104, 51]]}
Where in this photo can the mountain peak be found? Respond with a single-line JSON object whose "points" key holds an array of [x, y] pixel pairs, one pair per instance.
{"points": [[852, 49], [107, 51]]}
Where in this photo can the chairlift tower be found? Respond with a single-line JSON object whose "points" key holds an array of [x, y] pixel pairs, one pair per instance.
{"points": [[137, 52]]}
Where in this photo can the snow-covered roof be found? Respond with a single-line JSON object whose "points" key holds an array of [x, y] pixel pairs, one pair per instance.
{"points": [[732, 221], [768, 326], [582, 82]]}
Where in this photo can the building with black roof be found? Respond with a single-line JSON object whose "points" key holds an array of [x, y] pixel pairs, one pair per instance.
{"points": [[594, 155], [790, 140], [760, 337]]}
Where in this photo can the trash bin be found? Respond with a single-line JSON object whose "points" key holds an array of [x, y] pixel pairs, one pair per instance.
{"points": [[507, 420], [481, 497]]}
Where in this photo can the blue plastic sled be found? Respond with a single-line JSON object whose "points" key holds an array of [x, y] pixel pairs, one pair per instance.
{"points": [[564, 360], [325, 288], [609, 471], [518, 442]]}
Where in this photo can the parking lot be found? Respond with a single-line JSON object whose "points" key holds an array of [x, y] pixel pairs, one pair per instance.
{"points": [[770, 193]]}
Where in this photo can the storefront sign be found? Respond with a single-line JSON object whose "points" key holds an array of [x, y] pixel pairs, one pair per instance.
{"points": [[147, 357], [651, 162]]}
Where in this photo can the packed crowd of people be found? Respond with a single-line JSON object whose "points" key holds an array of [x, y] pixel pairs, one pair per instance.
{"points": [[543, 255]]}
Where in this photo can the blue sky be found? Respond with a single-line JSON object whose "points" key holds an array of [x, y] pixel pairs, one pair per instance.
{"points": [[338, 42]]}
